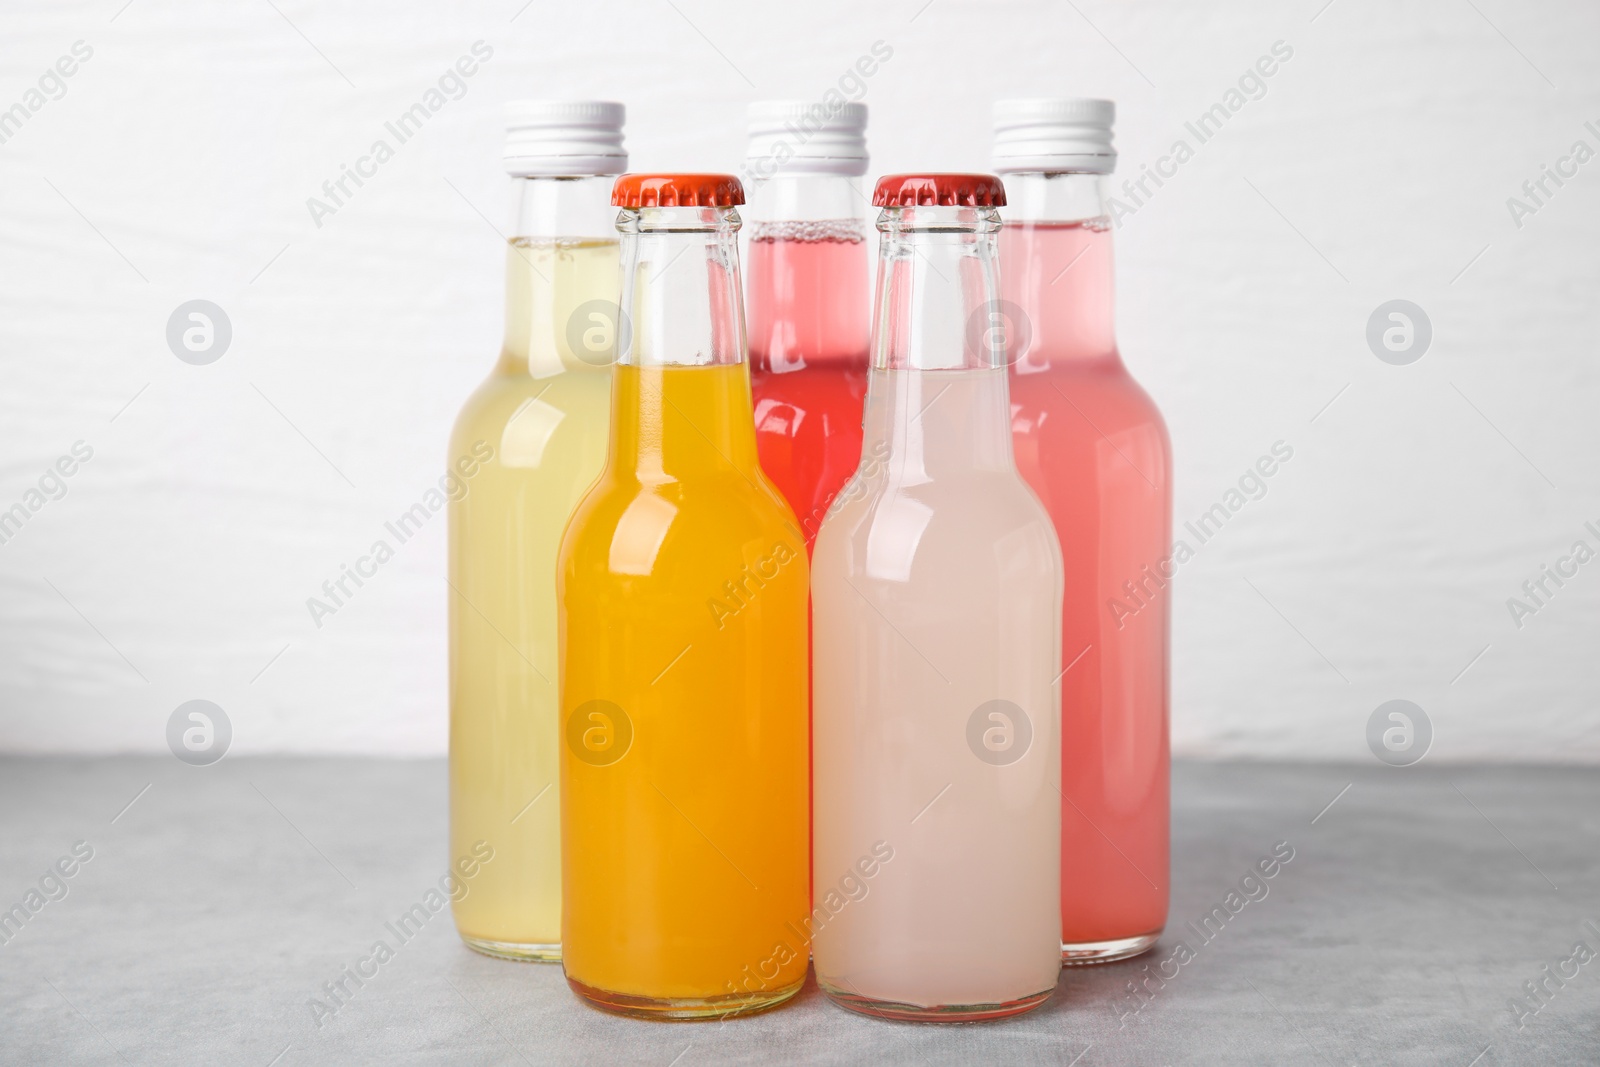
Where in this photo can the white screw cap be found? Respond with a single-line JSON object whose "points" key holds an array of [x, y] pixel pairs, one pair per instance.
{"points": [[1062, 134], [793, 137], [560, 138]]}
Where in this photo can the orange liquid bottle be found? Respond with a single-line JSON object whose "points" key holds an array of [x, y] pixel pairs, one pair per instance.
{"points": [[683, 589]]}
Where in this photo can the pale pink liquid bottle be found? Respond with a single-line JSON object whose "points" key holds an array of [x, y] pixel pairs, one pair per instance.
{"points": [[1094, 448], [936, 591]]}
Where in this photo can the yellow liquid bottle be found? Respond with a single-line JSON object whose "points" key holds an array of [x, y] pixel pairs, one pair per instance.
{"points": [[683, 592], [537, 429]]}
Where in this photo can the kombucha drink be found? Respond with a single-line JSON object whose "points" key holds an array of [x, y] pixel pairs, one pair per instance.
{"points": [[683, 651], [807, 295], [809, 371], [1095, 449], [527, 445], [937, 598]]}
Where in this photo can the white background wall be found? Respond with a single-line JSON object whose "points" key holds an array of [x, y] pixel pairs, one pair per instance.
{"points": [[1377, 165]]}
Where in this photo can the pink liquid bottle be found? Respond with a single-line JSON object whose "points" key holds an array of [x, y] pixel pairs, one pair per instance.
{"points": [[807, 297], [1094, 448]]}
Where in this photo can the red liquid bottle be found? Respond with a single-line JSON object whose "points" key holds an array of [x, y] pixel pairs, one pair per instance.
{"points": [[807, 295], [806, 291], [1094, 448]]}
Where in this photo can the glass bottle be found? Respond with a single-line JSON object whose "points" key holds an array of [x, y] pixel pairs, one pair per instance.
{"points": [[683, 649], [528, 443], [937, 605], [1093, 446], [807, 294]]}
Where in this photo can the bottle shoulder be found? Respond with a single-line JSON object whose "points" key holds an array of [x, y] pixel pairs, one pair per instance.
{"points": [[813, 399], [728, 506], [1000, 544], [980, 507], [680, 540], [503, 398], [1100, 397]]}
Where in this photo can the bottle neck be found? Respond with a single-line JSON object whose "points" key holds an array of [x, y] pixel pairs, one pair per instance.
{"points": [[1056, 266], [680, 287], [938, 398], [937, 290], [681, 405], [561, 258], [808, 274], [806, 198]]}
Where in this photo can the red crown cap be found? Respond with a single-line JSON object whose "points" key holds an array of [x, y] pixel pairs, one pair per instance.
{"points": [[939, 190], [677, 190]]}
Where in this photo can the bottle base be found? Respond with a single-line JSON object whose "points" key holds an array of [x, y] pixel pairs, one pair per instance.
{"points": [[686, 1009], [939, 1013], [512, 950], [1081, 953]]}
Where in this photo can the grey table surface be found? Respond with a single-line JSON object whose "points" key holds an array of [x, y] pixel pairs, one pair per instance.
{"points": [[219, 900]]}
